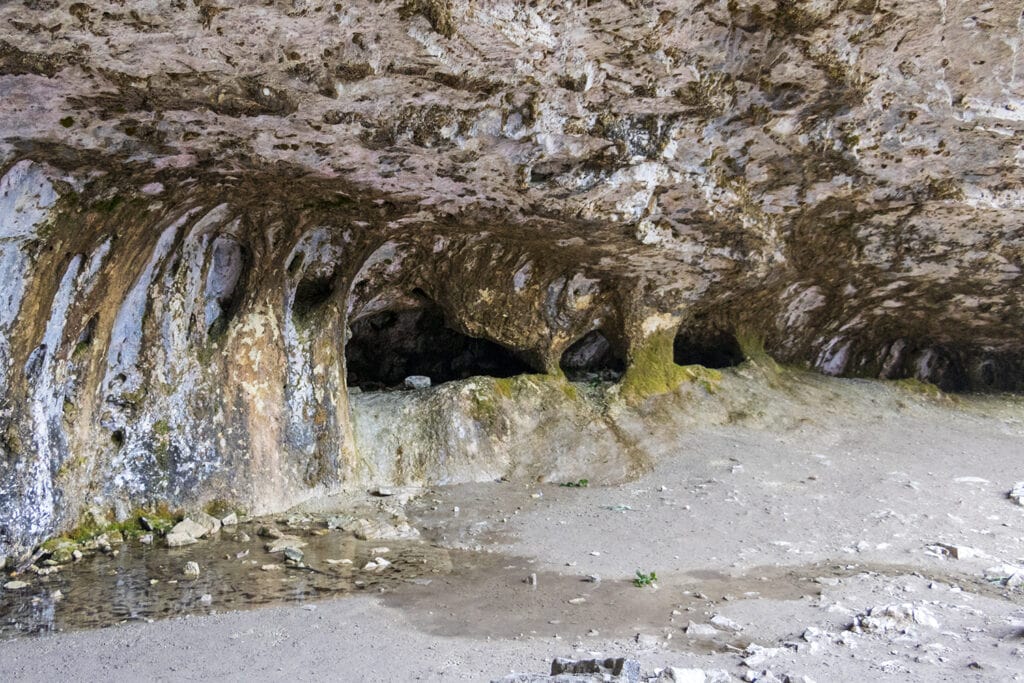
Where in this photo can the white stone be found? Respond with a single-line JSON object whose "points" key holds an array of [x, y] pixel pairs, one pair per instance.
{"points": [[675, 674], [279, 545], [1016, 494], [366, 530], [417, 382], [758, 655], [886, 618], [960, 552], [176, 539], [185, 532], [725, 623], [191, 569], [703, 631], [209, 523]]}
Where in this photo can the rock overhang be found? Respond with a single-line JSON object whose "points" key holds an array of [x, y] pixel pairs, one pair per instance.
{"points": [[222, 192]]}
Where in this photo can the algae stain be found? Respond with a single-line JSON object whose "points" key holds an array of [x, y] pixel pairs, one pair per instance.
{"points": [[652, 372], [919, 387], [753, 347]]}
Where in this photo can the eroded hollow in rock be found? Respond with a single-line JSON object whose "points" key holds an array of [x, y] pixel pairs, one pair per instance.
{"points": [[592, 358], [388, 346], [938, 365], [712, 349], [312, 293]]}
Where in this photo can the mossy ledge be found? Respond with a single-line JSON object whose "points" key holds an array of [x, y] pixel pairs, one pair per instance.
{"points": [[652, 372]]}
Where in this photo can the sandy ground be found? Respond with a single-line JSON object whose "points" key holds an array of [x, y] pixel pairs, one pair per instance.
{"points": [[791, 530]]}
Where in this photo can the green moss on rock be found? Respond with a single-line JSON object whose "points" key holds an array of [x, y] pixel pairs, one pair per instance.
{"points": [[916, 386], [219, 508], [652, 371]]}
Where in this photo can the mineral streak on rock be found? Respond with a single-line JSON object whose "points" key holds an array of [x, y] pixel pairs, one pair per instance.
{"points": [[203, 205]]}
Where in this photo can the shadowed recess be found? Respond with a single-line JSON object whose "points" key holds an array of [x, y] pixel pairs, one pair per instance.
{"points": [[935, 364], [714, 349], [389, 346], [591, 358], [311, 294]]}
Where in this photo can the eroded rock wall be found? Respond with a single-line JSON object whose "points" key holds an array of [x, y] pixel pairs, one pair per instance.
{"points": [[199, 200]]}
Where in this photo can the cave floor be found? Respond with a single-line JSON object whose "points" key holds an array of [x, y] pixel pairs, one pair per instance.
{"points": [[785, 533]]}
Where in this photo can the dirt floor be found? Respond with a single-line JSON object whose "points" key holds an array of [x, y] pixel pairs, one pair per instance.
{"points": [[866, 537]]}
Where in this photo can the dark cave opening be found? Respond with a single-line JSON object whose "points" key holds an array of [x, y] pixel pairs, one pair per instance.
{"points": [[388, 346], [946, 368], [715, 349], [592, 358]]}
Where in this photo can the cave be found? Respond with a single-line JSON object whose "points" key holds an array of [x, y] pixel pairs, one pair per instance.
{"points": [[386, 347], [213, 220], [716, 349], [592, 358]]}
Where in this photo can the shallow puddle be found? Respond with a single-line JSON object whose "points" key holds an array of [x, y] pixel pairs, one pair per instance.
{"points": [[145, 582]]}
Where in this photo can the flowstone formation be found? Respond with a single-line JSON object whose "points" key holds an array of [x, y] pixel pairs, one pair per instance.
{"points": [[226, 233]]}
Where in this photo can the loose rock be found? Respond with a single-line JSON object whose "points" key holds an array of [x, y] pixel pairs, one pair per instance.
{"points": [[417, 382], [185, 532], [887, 618], [676, 675], [758, 655], [628, 670], [958, 552], [209, 523], [1016, 494], [279, 545], [725, 623], [366, 530], [702, 631]]}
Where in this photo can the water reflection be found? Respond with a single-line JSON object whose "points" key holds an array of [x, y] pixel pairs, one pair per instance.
{"points": [[144, 582]]}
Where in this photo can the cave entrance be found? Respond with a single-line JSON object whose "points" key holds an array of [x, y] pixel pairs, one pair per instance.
{"points": [[715, 349], [388, 346], [592, 358]]}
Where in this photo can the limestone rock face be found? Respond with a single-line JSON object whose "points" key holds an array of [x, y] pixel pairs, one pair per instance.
{"points": [[202, 203]]}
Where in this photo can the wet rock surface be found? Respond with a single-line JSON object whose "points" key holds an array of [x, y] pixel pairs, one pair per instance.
{"points": [[229, 571]]}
